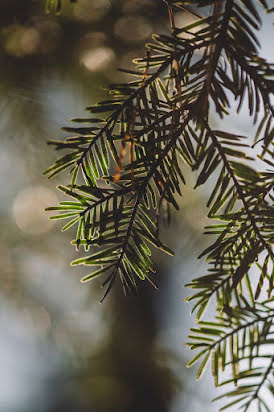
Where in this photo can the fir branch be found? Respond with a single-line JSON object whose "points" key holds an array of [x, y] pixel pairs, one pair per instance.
{"points": [[268, 370], [134, 95], [238, 188], [163, 116], [214, 58]]}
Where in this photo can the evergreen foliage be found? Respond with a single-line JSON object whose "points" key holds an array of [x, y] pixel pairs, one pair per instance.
{"points": [[126, 160]]}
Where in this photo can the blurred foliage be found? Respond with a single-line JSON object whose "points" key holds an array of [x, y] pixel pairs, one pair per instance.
{"points": [[74, 357]]}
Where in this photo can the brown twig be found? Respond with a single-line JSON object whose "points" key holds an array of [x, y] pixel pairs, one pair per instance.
{"points": [[129, 136], [176, 66], [217, 8], [184, 8]]}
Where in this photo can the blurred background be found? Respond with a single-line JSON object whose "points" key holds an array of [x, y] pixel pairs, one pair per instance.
{"points": [[59, 348]]}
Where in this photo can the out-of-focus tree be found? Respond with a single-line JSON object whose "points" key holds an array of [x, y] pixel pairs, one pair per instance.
{"points": [[45, 61]]}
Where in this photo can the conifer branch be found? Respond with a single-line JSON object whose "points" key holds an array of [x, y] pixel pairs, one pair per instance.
{"points": [[238, 189], [163, 116]]}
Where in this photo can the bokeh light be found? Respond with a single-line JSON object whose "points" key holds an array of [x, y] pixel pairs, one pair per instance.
{"points": [[12, 38], [133, 6], [50, 32], [133, 29], [90, 11], [92, 39], [30, 40], [98, 58], [29, 209], [41, 36]]}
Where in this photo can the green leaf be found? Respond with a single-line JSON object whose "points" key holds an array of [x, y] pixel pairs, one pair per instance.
{"points": [[96, 258], [196, 358], [71, 223], [95, 274], [203, 366]]}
